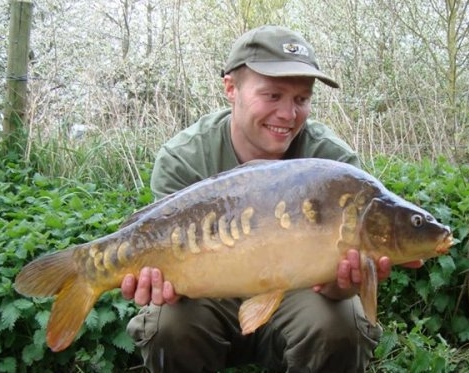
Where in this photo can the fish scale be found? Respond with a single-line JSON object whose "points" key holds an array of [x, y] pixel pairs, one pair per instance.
{"points": [[256, 231]]}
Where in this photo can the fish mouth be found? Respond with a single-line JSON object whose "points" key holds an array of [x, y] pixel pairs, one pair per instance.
{"points": [[445, 244]]}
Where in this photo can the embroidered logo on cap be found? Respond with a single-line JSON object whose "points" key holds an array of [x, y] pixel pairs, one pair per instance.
{"points": [[292, 48]]}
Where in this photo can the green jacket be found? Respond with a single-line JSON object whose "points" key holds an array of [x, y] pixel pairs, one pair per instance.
{"points": [[205, 149]]}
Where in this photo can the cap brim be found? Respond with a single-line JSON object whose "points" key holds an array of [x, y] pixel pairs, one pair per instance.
{"points": [[290, 68]]}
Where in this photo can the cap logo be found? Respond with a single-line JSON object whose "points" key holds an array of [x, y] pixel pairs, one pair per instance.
{"points": [[292, 48]]}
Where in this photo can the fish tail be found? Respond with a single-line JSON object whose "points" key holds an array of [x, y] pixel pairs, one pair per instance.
{"points": [[57, 274], [71, 306]]}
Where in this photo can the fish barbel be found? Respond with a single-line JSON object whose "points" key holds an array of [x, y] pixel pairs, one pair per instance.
{"points": [[256, 231]]}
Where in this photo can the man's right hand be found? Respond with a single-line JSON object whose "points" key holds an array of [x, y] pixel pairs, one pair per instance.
{"points": [[149, 287]]}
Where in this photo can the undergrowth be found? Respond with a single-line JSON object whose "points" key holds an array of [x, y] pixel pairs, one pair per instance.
{"points": [[38, 215]]}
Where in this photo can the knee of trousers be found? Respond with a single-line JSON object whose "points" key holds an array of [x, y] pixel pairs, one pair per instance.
{"points": [[182, 337], [346, 325], [328, 334], [332, 332], [330, 324], [155, 325], [346, 332], [157, 331]]}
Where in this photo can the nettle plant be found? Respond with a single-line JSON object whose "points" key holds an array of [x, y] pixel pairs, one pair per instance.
{"points": [[425, 311], [39, 215]]}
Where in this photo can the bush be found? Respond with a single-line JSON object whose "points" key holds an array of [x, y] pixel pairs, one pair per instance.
{"points": [[426, 311], [38, 215]]}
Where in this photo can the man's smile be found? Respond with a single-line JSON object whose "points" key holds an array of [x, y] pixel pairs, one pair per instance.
{"points": [[279, 130]]}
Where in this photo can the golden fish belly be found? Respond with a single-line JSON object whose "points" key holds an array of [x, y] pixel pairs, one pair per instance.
{"points": [[257, 263]]}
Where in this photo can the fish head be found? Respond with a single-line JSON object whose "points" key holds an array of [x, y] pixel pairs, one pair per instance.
{"points": [[402, 231]]}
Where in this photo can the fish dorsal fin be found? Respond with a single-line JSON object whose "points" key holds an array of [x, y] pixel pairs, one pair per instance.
{"points": [[256, 311], [137, 215], [369, 288]]}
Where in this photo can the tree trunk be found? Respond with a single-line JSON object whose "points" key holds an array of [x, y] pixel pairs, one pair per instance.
{"points": [[17, 75]]}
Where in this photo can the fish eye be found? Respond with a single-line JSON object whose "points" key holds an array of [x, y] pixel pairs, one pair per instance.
{"points": [[416, 220]]}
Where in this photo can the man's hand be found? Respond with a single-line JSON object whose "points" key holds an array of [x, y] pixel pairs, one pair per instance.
{"points": [[349, 275], [150, 287]]}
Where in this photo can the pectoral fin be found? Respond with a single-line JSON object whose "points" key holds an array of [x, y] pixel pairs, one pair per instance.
{"points": [[369, 288], [257, 310]]}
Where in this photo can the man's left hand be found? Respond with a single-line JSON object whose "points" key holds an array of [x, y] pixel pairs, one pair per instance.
{"points": [[349, 274]]}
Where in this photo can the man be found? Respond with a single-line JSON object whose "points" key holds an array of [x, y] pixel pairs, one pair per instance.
{"points": [[268, 81]]}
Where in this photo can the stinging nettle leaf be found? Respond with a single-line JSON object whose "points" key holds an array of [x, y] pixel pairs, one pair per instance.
{"points": [[123, 341], [437, 280], [447, 264], [32, 353], [8, 365], [10, 314]]}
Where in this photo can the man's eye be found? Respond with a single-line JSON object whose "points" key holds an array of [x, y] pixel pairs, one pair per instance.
{"points": [[302, 100]]}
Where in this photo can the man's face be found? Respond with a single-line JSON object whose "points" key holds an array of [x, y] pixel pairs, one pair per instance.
{"points": [[267, 113]]}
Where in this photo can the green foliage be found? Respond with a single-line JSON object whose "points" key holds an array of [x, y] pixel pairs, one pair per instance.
{"points": [[413, 351], [39, 215], [426, 311]]}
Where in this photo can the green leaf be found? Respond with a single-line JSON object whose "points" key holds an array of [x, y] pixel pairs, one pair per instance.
{"points": [[422, 289], [124, 307], [75, 203], [146, 197], [441, 301], [447, 264], [32, 353], [463, 232], [23, 304], [443, 212], [10, 313], [440, 365], [39, 338], [460, 325], [114, 224], [437, 280], [40, 180], [106, 316], [388, 341], [98, 354], [420, 363], [53, 221], [400, 277], [123, 341], [8, 365], [434, 323], [95, 219], [92, 320], [42, 317]]}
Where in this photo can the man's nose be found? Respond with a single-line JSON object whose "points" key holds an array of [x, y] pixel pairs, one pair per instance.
{"points": [[287, 110]]}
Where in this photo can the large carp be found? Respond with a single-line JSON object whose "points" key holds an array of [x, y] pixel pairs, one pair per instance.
{"points": [[256, 231]]}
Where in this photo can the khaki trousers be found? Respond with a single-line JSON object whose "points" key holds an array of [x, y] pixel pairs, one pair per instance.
{"points": [[308, 333]]}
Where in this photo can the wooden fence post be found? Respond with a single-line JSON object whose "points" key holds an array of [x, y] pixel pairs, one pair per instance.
{"points": [[14, 131]]}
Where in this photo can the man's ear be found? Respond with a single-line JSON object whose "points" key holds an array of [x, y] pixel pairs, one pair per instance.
{"points": [[230, 87]]}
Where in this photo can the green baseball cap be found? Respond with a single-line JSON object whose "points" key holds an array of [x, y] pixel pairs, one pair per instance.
{"points": [[276, 51]]}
